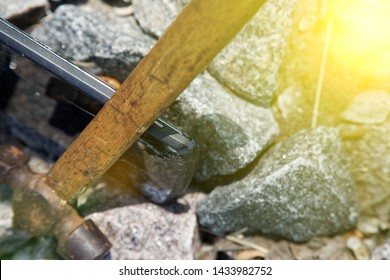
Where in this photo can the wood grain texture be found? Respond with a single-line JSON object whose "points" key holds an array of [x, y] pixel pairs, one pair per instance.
{"points": [[202, 29]]}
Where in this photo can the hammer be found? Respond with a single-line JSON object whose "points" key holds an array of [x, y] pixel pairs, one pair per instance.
{"points": [[200, 31]]}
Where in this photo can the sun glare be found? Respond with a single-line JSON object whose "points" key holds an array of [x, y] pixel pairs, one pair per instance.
{"points": [[361, 34]]}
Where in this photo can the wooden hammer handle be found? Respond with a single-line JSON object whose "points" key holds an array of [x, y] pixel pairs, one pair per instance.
{"points": [[201, 30]]}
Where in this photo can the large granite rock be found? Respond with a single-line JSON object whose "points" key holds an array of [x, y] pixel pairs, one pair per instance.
{"points": [[154, 16], [231, 132], [300, 189], [147, 231], [365, 132], [250, 64], [23, 12], [105, 44]]}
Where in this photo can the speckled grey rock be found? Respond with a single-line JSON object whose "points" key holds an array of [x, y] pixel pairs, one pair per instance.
{"points": [[250, 64], [107, 45], [369, 147], [369, 107], [300, 189], [382, 252], [23, 12], [231, 132], [154, 16], [148, 231], [365, 132]]}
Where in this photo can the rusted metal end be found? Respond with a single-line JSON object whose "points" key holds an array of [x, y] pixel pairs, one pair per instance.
{"points": [[86, 242], [32, 212], [40, 211]]}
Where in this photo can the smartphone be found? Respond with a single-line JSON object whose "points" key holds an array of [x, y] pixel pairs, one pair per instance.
{"points": [[163, 160]]}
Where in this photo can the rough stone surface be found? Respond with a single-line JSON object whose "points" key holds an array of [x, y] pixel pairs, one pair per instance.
{"points": [[38, 165], [250, 64], [154, 16], [365, 132], [23, 12], [369, 147], [358, 248], [382, 252], [147, 231], [103, 43], [369, 226], [370, 107], [115, 7], [301, 188], [231, 132]]}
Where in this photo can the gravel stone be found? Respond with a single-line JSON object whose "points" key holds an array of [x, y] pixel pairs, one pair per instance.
{"points": [[250, 64], [300, 189], [147, 231], [370, 107], [365, 130], [369, 226], [23, 12], [382, 252], [231, 132], [358, 248], [154, 16], [38, 165], [368, 147]]}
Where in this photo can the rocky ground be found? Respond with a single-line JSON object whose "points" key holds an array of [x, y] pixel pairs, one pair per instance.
{"points": [[268, 186]]}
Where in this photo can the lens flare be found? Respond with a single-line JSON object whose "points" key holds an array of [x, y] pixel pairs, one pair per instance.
{"points": [[361, 36]]}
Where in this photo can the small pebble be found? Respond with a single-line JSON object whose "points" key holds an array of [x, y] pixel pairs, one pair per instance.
{"points": [[358, 248], [382, 252], [37, 165], [369, 226]]}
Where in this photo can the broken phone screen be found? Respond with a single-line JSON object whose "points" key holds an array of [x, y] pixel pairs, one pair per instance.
{"points": [[160, 164]]}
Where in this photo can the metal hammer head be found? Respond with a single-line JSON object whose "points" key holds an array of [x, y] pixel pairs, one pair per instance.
{"points": [[39, 211]]}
